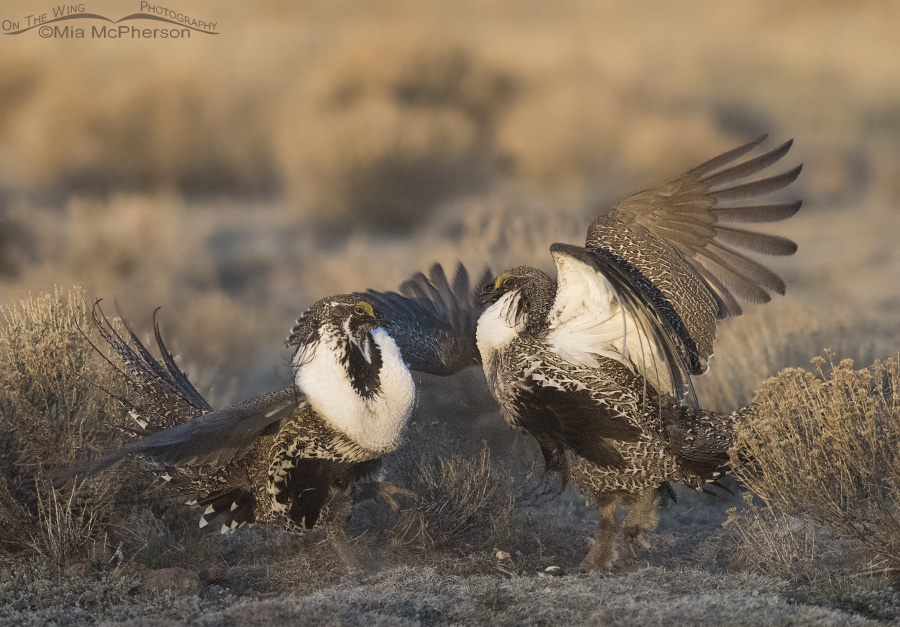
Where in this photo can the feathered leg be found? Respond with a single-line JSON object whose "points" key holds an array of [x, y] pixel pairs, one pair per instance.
{"points": [[602, 553], [339, 510], [643, 515]]}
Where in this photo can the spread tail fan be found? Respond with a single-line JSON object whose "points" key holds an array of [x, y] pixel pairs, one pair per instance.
{"points": [[165, 394]]}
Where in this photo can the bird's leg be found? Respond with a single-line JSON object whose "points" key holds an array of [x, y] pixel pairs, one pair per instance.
{"points": [[602, 553], [643, 515], [339, 511], [370, 490]]}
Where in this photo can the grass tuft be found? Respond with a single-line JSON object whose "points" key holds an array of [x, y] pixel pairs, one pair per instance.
{"points": [[465, 499]]}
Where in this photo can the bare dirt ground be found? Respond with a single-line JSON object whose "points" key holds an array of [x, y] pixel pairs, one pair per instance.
{"points": [[689, 577]]}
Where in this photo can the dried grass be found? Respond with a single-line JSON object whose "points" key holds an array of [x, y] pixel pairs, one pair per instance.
{"points": [[52, 408], [465, 500], [821, 452]]}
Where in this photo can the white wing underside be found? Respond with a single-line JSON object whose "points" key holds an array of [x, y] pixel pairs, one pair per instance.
{"points": [[588, 321]]}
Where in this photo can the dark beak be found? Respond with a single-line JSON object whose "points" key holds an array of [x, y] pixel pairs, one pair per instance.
{"points": [[489, 294], [378, 320]]}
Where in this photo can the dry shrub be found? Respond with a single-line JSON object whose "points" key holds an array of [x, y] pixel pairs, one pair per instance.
{"points": [[465, 499], [583, 127], [389, 124], [824, 457], [51, 406], [773, 542]]}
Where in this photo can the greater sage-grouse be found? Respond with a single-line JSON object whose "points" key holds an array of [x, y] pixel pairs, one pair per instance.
{"points": [[299, 457], [597, 365]]}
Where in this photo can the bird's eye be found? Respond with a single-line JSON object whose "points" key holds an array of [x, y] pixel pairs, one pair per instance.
{"points": [[508, 281], [362, 308]]}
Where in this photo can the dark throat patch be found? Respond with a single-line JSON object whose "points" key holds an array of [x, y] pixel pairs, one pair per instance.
{"points": [[365, 377]]}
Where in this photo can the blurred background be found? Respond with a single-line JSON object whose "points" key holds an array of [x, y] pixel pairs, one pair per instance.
{"points": [[313, 148]]}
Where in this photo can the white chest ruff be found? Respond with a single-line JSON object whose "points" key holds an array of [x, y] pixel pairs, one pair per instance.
{"points": [[376, 423], [497, 327]]}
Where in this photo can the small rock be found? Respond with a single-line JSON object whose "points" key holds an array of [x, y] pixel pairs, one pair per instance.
{"points": [[502, 555], [180, 581], [755, 593], [5, 573], [553, 571]]}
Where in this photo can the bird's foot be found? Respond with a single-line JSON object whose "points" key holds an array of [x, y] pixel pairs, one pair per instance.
{"points": [[634, 538], [386, 491], [599, 559]]}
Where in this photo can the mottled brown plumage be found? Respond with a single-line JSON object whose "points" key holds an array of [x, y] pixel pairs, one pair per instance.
{"points": [[271, 459], [280, 458], [597, 365]]}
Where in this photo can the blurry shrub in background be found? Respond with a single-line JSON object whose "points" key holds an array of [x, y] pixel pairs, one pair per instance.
{"points": [[583, 127], [378, 127], [175, 130], [389, 124]]}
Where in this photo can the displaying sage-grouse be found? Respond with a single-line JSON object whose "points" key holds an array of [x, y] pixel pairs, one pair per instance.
{"points": [[298, 458], [597, 365]]}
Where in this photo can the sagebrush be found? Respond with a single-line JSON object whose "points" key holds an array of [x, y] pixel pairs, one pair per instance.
{"points": [[55, 404], [821, 455]]}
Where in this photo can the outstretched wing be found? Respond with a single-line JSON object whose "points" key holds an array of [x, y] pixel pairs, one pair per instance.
{"points": [[433, 320], [599, 312], [167, 397], [682, 237], [213, 438]]}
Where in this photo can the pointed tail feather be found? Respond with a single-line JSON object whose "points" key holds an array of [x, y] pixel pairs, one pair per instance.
{"points": [[232, 509]]}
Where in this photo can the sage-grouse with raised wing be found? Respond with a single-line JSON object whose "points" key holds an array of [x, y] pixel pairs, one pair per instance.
{"points": [[298, 458], [597, 365]]}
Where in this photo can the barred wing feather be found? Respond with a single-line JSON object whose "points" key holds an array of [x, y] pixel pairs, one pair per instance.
{"points": [[685, 236], [433, 320]]}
